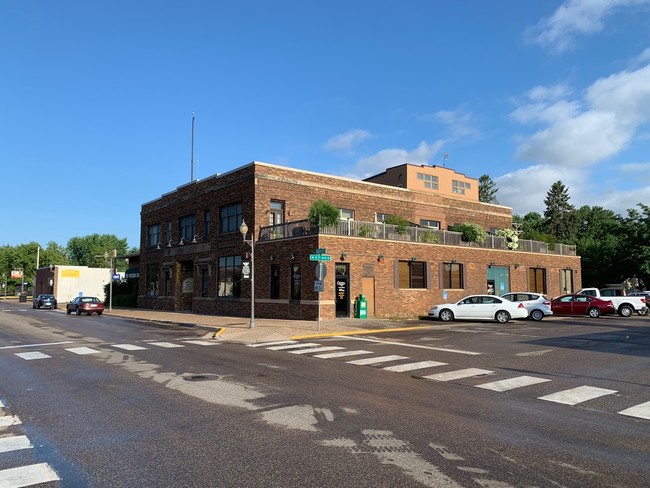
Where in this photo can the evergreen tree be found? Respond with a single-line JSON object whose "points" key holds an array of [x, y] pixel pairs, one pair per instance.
{"points": [[487, 190], [558, 213]]}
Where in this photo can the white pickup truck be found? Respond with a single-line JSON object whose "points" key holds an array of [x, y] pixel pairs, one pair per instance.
{"points": [[625, 306]]}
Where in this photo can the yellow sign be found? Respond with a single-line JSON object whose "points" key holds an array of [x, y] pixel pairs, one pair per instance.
{"points": [[69, 273]]}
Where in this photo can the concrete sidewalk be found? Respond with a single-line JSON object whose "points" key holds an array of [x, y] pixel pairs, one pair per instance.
{"points": [[236, 329]]}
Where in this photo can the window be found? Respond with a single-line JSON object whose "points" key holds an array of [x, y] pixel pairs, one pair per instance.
{"points": [[537, 280], [412, 274], [169, 231], [205, 281], [275, 282], [566, 280], [380, 217], [429, 181], [295, 282], [459, 187], [229, 273], [452, 275], [230, 218], [346, 214], [187, 227], [207, 223], [152, 280], [167, 283], [153, 235], [430, 223], [276, 215]]}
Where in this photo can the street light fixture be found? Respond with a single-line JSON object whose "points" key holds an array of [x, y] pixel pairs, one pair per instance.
{"points": [[243, 228]]}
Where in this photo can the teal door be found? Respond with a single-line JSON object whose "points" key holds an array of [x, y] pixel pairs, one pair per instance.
{"points": [[498, 280]]}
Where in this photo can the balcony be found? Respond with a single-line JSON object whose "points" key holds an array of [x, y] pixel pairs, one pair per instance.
{"points": [[374, 230]]}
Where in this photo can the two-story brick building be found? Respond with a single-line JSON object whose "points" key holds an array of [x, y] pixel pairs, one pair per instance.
{"points": [[192, 249]]}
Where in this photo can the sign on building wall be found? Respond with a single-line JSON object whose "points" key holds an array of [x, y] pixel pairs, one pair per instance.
{"points": [[70, 273], [188, 285]]}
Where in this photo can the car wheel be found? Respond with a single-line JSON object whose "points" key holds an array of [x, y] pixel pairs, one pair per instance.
{"points": [[33, 306], [594, 313], [537, 315], [502, 317], [99, 313], [446, 315], [625, 311], [643, 311], [68, 311], [78, 311]]}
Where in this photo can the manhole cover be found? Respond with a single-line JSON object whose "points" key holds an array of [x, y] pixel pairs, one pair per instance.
{"points": [[201, 377]]}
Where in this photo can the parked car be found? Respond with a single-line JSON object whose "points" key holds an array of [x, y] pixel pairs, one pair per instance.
{"points": [[538, 305], [624, 304], [576, 304], [479, 307], [44, 300], [87, 305]]}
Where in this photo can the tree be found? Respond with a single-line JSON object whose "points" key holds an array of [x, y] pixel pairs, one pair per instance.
{"points": [[557, 216], [95, 250], [634, 251], [487, 190], [323, 213]]}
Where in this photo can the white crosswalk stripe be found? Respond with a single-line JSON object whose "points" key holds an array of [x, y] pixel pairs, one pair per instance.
{"points": [[8, 420], [577, 395], [83, 350], [202, 343], [28, 356], [297, 345], [376, 360], [27, 475], [128, 347], [641, 411], [341, 354], [166, 344], [459, 374], [15, 443], [401, 368], [316, 349], [274, 343], [512, 383]]}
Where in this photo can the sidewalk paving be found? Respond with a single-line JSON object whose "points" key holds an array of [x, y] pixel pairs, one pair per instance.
{"points": [[236, 329]]}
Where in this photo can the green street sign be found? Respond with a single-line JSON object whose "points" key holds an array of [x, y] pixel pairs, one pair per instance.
{"points": [[320, 257], [320, 250]]}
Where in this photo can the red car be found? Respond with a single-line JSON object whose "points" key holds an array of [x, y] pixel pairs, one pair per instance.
{"points": [[581, 305], [87, 305]]}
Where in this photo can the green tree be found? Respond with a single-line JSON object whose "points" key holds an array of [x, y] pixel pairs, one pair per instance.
{"points": [[54, 254], [401, 223], [323, 213], [487, 190], [634, 250], [558, 213], [95, 250]]}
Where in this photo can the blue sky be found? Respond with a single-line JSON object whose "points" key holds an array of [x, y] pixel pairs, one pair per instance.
{"points": [[96, 99]]}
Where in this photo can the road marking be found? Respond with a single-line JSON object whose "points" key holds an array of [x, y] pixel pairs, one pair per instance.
{"points": [[417, 346], [316, 349], [292, 346], [8, 420], [342, 354], [128, 347], [38, 345], [2, 405], [376, 360], [83, 350], [202, 343], [512, 383], [15, 443], [274, 343], [27, 475], [534, 353], [641, 411], [28, 356], [577, 395], [401, 368], [459, 374], [165, 344]]}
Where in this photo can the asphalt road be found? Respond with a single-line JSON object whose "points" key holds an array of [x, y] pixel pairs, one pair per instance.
{"points": [[108, 402]]}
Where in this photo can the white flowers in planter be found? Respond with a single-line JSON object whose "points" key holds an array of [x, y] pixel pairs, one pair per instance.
{"points": [[512, 237]]}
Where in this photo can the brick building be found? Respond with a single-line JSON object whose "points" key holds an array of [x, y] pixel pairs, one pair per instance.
{"points": [[192, 250]]}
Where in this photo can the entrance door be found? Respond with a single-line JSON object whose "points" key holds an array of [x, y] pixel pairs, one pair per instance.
{"points": [[368, 290], [342, 289], [498, 280]]}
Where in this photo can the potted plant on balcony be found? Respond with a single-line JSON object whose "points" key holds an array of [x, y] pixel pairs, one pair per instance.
{"points": [[512, 238], [322, 213], [472, 233], [400, 223]]}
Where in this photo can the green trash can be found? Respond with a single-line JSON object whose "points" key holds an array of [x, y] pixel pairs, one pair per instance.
{"points": [[362, 305]]}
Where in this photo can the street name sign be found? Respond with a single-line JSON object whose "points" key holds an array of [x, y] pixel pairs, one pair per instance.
{"points": [[320, 257]]}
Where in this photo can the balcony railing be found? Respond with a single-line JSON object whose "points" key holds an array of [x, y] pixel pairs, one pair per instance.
{"points": [[375, 230]]}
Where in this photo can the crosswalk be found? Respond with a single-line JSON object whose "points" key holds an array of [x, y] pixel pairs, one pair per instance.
{"points": [[27, 475], [572, 396]]}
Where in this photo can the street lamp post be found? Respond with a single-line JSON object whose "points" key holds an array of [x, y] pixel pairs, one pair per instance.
{"points": [[243, 228]]}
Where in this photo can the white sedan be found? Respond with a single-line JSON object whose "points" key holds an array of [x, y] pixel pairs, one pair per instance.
{"points": [[479, 307]]}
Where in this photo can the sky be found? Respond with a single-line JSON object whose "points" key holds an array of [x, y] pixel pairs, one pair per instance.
{"points": [[96, 99]]}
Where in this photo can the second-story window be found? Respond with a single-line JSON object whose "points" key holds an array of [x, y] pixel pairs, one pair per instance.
{"points": [[153, 235], [435, 224], [187, 227], [230, 218], [346, 214], [459, 187], [276, 215]]}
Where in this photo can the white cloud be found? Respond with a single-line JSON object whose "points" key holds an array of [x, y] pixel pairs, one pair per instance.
{"points": [[575, 17], [584, 132], [347, 141], [459, 123], [387, 158]]}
